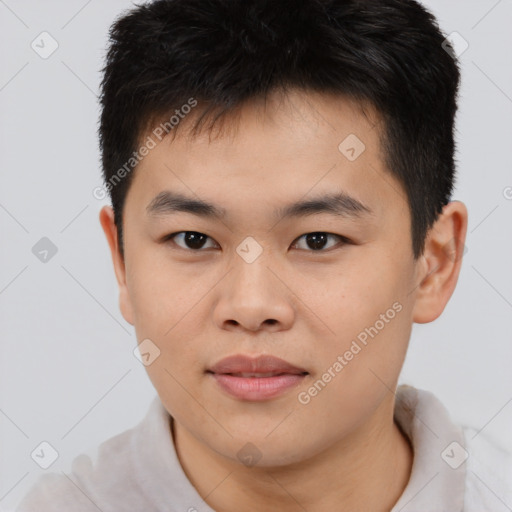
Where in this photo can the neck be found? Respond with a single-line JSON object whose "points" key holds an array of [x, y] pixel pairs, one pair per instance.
{"points": [[367, 470]]}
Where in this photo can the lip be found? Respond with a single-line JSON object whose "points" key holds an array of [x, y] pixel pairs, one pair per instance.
{"points": [[256, 378], [241, 363]]}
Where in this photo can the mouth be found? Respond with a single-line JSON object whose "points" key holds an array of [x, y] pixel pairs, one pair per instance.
{"points": [[256, 379], [260, 375]]}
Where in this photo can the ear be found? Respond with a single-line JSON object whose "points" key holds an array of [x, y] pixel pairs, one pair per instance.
{"points": [[441, 262], [109, 227]]}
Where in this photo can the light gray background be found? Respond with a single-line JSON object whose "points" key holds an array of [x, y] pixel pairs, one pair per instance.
{"points": [[67, 371]]}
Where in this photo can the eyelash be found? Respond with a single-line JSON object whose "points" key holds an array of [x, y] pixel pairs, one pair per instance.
{"points": [[344, 240]]}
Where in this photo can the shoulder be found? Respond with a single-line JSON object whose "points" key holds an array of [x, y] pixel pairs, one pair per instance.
{"points": [[474, 472], [102, 471], [119, 474], [488, 473]]}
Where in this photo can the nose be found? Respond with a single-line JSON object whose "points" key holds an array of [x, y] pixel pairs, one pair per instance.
{"points": [[254, 296]]}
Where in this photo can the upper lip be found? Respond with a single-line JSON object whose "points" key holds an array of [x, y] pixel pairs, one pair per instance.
{"points": [[261, 364]]}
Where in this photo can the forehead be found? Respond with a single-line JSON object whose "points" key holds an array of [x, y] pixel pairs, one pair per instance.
{"points": [[274, 150]]}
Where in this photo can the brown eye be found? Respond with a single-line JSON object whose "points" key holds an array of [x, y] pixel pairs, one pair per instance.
{"points": [[191, 240], [318, 241]]}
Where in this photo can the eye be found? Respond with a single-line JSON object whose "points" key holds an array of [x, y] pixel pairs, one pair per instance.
{"points": [[195, 241], [317, 240], [190, 239]]}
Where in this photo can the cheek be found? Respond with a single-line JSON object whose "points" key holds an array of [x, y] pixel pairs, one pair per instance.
{"points": [[162, 294], [352, 299], [369, 315], [354, 377], [167, 307]]}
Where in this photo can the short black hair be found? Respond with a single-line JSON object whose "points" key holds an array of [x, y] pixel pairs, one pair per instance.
{"points": [[166, 54]]}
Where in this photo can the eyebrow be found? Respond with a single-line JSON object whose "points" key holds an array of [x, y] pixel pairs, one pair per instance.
{"points": [[340, 204]]}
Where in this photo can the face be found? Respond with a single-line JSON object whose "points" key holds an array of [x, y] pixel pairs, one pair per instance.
{"points": [[327, 286]]}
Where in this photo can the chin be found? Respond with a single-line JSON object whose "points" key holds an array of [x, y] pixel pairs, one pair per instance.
{"points": [[263, 452]]}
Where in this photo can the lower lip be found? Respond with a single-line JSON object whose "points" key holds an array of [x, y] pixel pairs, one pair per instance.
{"points": [[257, 388]]}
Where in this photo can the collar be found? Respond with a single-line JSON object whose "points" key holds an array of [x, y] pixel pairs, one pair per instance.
{"points": [[437, 481]]}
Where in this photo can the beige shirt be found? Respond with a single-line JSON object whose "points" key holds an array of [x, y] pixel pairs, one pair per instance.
{"points": [[455, 469]]}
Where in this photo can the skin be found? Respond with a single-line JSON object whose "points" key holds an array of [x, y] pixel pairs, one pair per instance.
{"points": [[342, 450]]}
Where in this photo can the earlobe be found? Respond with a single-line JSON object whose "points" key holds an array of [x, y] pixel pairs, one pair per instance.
{"points": [[441, 262], [109, 228]]}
